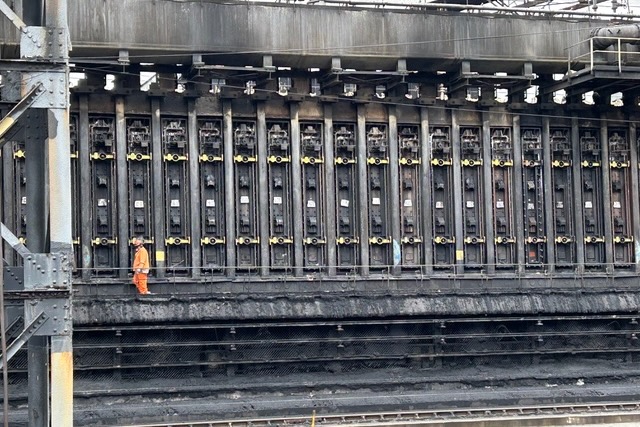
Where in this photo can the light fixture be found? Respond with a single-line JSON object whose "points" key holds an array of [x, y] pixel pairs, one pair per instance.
{"points": [[413, 91], [250, 87], [284, 84], [216, 85], [314, 88], [381, 91], [442, 92], [473, 94], [350, 89]]}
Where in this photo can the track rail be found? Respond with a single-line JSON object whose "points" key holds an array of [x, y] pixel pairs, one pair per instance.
{"points": [[604, 411]]}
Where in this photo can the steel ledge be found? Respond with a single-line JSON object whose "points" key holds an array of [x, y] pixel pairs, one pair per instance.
{"points": [[105, 310]]}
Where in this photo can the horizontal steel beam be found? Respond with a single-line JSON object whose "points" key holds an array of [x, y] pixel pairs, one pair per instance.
{"points": [[308, 36]]}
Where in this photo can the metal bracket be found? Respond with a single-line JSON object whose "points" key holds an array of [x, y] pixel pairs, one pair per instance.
{"points": [[59, 320], [57, 95], [44, 43], [46, 271], [22, 339]]}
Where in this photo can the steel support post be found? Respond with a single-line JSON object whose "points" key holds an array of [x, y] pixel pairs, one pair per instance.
{"points": [[363, 184], [122, 189], [36, 213], [62, 244], [457, 188], [394, 190], [194, 186], [606, 193], [487, 174], [330, 185], [263, 196], [518, 199], [577, 194], [61, 381], [425, 184], [296, 176], [635, 191], [8, 205], [548, 196], [229, 188], [157, 187], [84, 190]]}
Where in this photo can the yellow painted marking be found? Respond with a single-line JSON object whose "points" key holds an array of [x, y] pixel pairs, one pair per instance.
{"points": [[159, 256], [459, 255]]}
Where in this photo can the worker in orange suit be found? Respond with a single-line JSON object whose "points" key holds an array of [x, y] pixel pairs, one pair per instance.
{"points": [[140, 266]]}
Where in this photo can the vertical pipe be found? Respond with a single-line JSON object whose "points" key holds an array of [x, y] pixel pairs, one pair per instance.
{"points": [[194, 187], [548, 196], [606, 193], [394, 189], [425, 185], [330, 188], [635, 202], [363, 192], [296, 176], [157, 187], [229, 188], [122, 189], [577, 194], [518, 199], [84, 187], [36, 213], [457, 187], [262, 187], [487, 171]]}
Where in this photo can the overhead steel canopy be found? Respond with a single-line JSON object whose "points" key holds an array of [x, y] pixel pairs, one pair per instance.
{"points": [[302, 35]]}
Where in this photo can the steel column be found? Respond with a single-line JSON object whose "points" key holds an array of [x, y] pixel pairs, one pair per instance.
{"points": [[606, 193], [8, 204], [577, 194], [548, 196], [330, 196], [518, 199], [229, 188], [62, 244], [84, 188], [394, 191], [635, 188], [457, 186], [61, 381], [296, 177], [488, 192], [33, 12], [263, 196], [36, 213], [425, 184], [194, 187], [363, 212], [122, 189], [157, 187]]}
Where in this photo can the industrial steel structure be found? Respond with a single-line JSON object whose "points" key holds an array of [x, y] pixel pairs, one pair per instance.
{"points": [[461, 180]]}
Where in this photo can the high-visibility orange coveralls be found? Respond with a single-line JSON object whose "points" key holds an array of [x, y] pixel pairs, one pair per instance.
{"points": [[141, 269]]}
